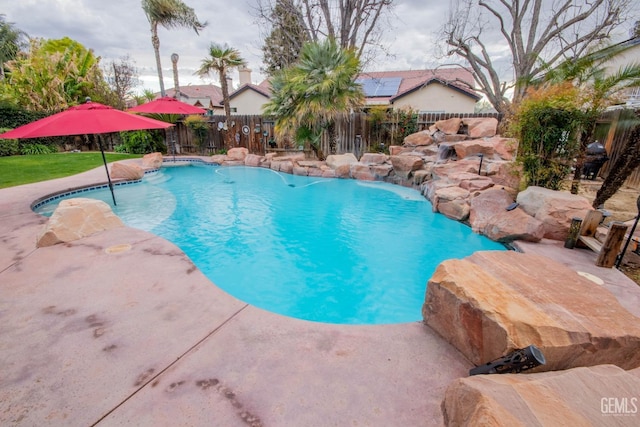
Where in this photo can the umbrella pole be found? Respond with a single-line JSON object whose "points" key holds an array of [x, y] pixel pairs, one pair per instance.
{"points": [[104, 160]]}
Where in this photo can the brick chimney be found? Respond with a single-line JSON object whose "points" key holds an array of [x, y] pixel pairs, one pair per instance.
{"points": [[245, 75]]}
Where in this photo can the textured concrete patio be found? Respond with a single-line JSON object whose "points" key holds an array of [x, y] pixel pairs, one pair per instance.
{"points": [[120, 328]]}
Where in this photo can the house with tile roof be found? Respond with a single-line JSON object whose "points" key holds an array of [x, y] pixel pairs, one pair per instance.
{"points": [[441, 90], [203, 96], [249, 98]]}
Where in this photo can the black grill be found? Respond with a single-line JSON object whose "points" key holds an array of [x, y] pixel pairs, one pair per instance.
{"points": [[596, 157]]}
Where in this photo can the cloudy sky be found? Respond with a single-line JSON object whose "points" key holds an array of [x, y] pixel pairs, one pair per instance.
{"points": [[114, 28]]}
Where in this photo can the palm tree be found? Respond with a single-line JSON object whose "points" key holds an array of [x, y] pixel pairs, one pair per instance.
{"points": [[170, 14], [309, 96], [12, 41], [222, 59], [598, 88]]}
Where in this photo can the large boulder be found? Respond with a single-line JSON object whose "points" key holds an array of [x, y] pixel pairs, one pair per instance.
{"points": [[373, 158], [237, 154], [505, 147], [471, 181], [394, 150], [317, 172], [285, 166], [555, 209], [450, 126], [361, 172], [452, 202], [429, 189], [381, 171], [598, 395], [443, 170], [218, 159], [404, 165], [481, 127], [253, 160], [74, 219], [300, 171], [473, 147], [421, 176], [494, 302], [334, 161], [152, 160], [342, 171], [503, 173], [126, 171], [419, 138], [488, 216]]}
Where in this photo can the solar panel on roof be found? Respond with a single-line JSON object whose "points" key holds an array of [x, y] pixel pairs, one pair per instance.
{"points": [[385, 86]]}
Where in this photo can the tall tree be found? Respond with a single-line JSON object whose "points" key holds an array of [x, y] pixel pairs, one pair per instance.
{"points": [[12, 40], [169, 14], [529, 31], [122, 77], [353, 24], [308, 96], [282, 46], [54, 75], [222, 59]]}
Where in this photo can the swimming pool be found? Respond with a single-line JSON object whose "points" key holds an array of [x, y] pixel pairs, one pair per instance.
{"points": [[328, 250]]}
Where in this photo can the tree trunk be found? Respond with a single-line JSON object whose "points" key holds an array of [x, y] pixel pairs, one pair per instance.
{"points": [[227, 108], [333, 138], [155, 41], [624, 166], [316, 149]]}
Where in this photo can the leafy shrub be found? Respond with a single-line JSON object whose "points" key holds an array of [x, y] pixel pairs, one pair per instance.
{"points": [[390, 127], [546, 124], [30, 149], [120, 148], [8, 147], [377, 147], [200, 131], [141, 142], [12, 116]]}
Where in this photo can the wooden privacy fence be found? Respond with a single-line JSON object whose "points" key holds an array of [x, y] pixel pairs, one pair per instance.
{"points": [[356, 133], [251, 132], [613, 136]]}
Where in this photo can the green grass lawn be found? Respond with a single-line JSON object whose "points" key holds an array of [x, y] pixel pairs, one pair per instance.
{"points": [[18, 170]]}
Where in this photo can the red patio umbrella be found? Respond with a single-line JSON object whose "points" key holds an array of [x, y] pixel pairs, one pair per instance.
{"points": [[83, 119], [167, 105]]}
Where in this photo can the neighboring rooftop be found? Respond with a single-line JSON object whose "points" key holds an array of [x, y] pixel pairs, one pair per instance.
{"points": [[391, 85]]}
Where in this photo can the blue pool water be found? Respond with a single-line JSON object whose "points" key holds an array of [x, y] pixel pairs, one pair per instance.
{"points": [[329, 250]]}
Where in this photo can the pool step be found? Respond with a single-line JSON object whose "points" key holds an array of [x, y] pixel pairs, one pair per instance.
{"points": [[157, 178]]}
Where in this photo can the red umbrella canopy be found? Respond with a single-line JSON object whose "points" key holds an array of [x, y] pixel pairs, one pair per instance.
{"points": [[167, 105], [88, 118]]}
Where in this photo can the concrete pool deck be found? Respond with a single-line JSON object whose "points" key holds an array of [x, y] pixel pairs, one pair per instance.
{"points": [[121, 328]]}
